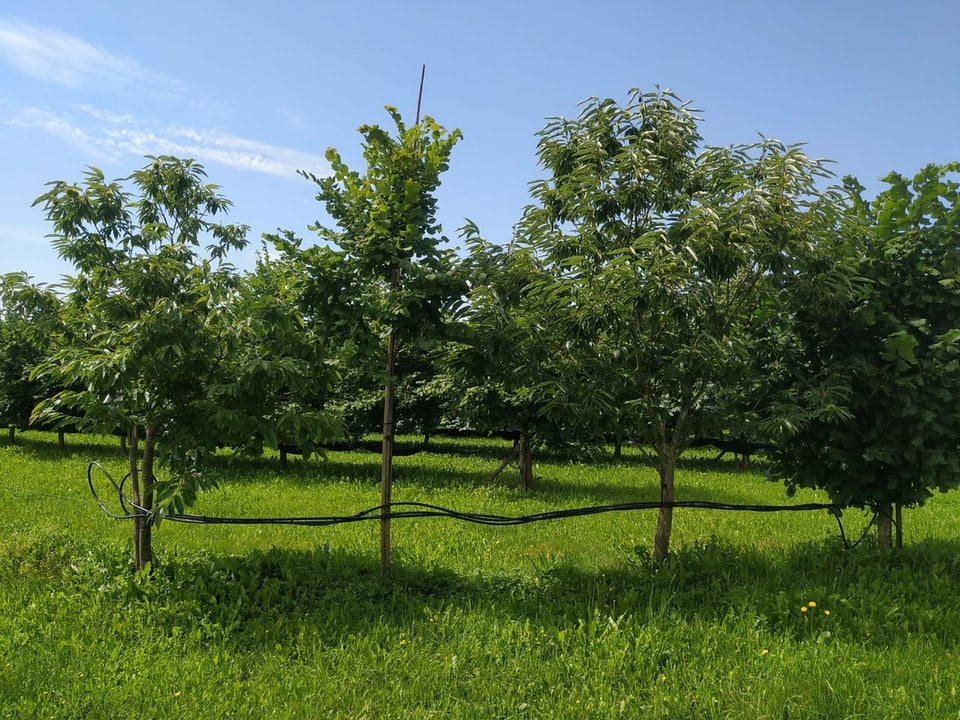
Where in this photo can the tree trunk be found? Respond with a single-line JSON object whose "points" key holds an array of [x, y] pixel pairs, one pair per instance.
{"points": [[12, 435], [885, 526], [123, 444], [386, 458], [133, 468], [525, 461], [899, 522], [283, 457], [61, 440], [142, 480], [147, 478], [661, 540], [617, 448]]}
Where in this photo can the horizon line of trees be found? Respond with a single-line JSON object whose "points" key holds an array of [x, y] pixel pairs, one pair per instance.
{"points": [[655, 291]]}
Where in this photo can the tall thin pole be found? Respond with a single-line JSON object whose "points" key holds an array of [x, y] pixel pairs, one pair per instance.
{"points": [[389, 422], [386, 459], [423, 72]]}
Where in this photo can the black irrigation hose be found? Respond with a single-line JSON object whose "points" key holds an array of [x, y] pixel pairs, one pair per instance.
{"points": [[425, 510]]}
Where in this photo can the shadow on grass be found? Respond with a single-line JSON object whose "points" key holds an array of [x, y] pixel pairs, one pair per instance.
{"points": [[336, 468], [43, 446], [862, 595]]}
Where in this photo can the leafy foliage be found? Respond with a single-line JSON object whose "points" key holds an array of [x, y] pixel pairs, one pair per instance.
{"points": [[662, 254], [897, 352], [384, 277], [384, 265], [149, 319], [29, 326], [279, 368]]}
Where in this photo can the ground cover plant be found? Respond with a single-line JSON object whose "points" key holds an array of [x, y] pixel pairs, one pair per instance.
{"points": [[752, 616]]}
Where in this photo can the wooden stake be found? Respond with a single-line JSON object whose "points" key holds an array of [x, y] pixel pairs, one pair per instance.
{"points": [[389, 421]]}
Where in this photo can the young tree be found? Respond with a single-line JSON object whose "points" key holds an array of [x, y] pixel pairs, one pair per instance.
{"points": [[385, 273], [895, 352], [661, 252], [148, 315]]}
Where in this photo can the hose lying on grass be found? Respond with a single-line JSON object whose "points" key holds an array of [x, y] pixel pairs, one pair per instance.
{"points": [[400, 510]]}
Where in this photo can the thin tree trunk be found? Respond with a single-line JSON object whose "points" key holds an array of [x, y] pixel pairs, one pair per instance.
{"points": [[61, 440], [617, 448], [283, 457], [142, 479], [133, 467], [661, 540], [147, 479], [386, 459], [899, 523], [525, 460], [885, 526], [12, 435]]}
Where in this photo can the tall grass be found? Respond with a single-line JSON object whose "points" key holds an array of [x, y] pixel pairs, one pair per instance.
{"points": [[760, 616]]}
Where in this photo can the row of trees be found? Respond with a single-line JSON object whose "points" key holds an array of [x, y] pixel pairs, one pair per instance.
{"points": [[655, 290]]}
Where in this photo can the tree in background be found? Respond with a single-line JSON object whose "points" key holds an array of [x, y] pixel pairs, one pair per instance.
{"points": [[504, 352], [385, 278], [895, 353], [660, 254], [29, 324], [273, 382]]}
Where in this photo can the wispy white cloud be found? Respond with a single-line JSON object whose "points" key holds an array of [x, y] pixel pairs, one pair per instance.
{"points": [[106, 115], [54, 56], [115, 135], [60, 127]]}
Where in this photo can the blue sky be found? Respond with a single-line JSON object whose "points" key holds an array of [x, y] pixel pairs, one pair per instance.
{"points": [[255, 91]]}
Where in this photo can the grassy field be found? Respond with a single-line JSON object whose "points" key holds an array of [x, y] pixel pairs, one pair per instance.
{"points": [[755, 616]]}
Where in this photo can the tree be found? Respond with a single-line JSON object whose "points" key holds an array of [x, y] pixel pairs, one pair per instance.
{"points": [[385, 273], [273, 382], [505, 350], [29, 323], [148, 315], [895, 352], [661, 252]]}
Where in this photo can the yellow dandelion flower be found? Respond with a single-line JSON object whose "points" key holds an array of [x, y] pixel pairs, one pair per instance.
{"points": [[765, 652], [826, 612], [811, 604], [803, 609]]}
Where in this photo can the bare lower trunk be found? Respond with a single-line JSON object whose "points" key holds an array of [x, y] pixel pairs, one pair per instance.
{"points": [[661, 540], [617, 449], [147, 478], [525, 461], [136, 494], [899, 523], [283, 458], [12, 435], [142, 479], [885, 526], [61, 440], [386, 458]]}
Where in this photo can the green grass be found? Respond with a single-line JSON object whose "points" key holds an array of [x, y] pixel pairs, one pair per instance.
{"points": [[552, 620]]}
